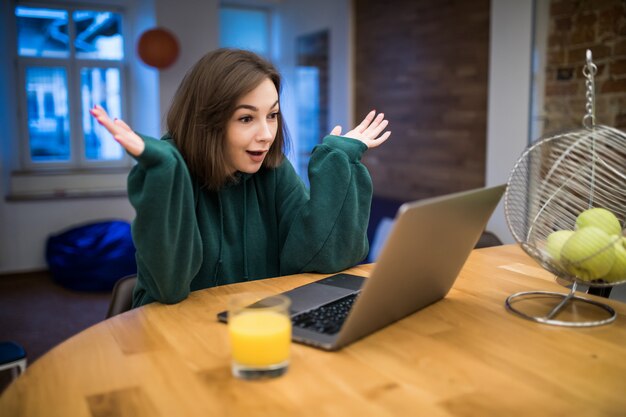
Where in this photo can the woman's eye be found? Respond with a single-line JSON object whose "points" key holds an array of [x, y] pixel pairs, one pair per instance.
{"points": [[245, 119], [273, 116]]}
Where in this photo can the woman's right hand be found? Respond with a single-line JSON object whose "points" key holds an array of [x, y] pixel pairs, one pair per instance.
{"points": [[121, 132]]}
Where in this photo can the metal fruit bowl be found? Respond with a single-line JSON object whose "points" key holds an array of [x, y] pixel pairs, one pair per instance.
{"points": [[555, 180]]}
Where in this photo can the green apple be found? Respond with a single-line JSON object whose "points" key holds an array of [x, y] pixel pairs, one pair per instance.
{"points": [[589, 253], [601, 218], [555, 242], [618, 271]]}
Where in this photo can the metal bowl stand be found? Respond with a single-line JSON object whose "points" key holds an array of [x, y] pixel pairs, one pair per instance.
{"points": [[562, 301]]}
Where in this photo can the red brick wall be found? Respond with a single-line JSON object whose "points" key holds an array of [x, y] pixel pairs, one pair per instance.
{"points": [[574, 27], [425, 64]]}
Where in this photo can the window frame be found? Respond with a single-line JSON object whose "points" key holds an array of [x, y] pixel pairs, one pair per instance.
{"points": [[73, 66]]}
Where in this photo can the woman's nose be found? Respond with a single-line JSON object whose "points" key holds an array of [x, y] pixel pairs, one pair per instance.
{"points": [[265, 132]]}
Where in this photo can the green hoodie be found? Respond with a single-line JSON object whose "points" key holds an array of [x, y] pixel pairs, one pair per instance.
{"points": [[264, 225]]}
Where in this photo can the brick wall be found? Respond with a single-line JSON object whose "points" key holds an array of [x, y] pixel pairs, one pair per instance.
{"points": [[574, 27], [425, 64]]}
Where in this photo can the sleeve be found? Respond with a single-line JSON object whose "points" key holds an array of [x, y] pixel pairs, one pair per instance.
{"points": [[165, 229], [326, 230]]}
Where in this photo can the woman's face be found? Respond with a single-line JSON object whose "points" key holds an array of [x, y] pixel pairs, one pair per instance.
{"points": [[252, 129]]}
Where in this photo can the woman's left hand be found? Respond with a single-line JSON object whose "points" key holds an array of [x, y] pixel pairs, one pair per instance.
{"points": [[368, 130]]}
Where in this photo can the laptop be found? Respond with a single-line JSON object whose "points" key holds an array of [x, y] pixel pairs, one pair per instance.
{"points": [[426, 248]]}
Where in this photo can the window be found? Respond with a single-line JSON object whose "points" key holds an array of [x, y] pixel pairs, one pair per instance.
{"points": [[245, 28], [69, 59], [312, 78], [308, 104]]}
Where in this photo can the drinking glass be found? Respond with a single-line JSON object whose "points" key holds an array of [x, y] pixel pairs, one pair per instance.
{"points": [[260, 335]]}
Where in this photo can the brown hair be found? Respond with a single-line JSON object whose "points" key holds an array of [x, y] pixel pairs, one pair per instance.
{"points": [[206, 100]]}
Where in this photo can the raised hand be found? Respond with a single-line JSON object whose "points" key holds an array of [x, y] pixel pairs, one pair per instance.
{"points": [[121, 132], [368, 130]]}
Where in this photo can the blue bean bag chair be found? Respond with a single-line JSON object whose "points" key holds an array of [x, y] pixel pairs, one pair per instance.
{"points": [[91, 257]]}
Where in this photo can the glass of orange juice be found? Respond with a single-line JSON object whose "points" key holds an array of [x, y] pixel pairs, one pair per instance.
{"points": [[259, 327]]}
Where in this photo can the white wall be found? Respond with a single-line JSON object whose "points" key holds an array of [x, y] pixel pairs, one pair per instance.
{"points": [[540, 46], [509, 95], [195, 24]]}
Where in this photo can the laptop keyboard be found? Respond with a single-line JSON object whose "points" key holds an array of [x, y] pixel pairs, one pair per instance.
{"points": [[328, 318]]}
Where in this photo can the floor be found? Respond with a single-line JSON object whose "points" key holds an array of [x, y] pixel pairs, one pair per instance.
{"points": [[39, 314]]}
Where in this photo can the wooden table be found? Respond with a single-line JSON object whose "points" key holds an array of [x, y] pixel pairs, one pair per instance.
{"points": [[463, 356]]}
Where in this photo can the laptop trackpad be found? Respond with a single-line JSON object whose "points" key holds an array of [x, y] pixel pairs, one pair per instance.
{"points": [[327, 290]]}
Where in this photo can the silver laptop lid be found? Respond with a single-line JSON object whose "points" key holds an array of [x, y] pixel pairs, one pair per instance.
{"points": [[426, 248]]}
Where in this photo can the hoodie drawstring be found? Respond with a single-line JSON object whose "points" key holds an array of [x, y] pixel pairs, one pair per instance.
{"points": [[245, 232], [244, 235]]}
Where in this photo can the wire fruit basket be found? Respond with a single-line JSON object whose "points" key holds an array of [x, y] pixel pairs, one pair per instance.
{"points": [[565, 205]]}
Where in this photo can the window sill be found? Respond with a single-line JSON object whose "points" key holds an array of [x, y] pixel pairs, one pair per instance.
{"points": [[33, 186]]}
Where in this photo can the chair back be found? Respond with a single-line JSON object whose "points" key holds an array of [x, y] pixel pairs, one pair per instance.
{"points": [[122, 296]]}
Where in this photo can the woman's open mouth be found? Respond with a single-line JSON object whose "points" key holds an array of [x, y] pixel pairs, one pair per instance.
{"points": [[257, 156]]}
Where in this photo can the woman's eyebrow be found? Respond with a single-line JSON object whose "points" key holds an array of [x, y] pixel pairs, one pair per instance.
{"points": [[253, 108]]}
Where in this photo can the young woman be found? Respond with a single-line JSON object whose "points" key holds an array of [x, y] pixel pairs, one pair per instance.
{"points": [[217, 202]]}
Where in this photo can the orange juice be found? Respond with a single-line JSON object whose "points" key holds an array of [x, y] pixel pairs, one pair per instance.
{"points": [[260, 338]]}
